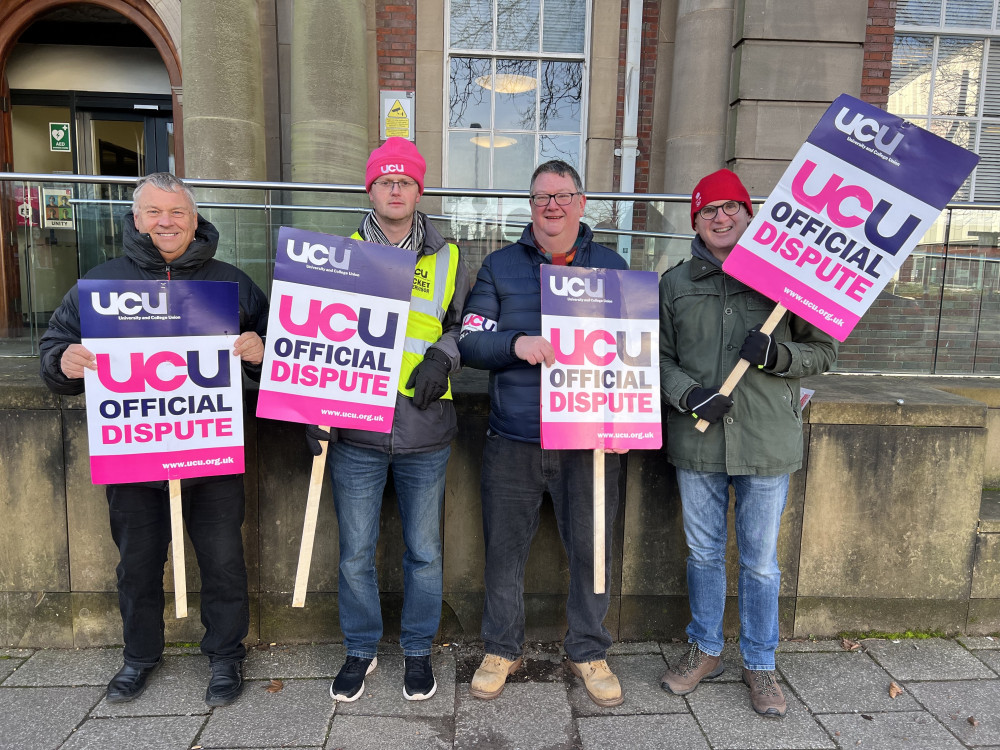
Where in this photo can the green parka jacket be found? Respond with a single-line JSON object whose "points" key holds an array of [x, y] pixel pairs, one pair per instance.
{"points": [[704, 318]]}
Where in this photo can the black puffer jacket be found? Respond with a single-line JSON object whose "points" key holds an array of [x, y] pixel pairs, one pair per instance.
{"points": [[143, 261]]}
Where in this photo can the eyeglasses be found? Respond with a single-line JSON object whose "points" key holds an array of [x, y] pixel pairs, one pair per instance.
{"points": [[389, 185], [729, 208], [562, 199]]}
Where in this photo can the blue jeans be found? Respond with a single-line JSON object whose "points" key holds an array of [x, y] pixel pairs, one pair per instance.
{"points": [[515, 475], [760, 501], [140, 525], [358, 476]]}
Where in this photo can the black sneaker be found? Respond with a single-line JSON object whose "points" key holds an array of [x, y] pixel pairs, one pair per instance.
{"points": [[350, 680], [418, 679]]}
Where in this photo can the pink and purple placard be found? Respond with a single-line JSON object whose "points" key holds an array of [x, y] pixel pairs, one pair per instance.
{"points": [[166, 399], [603, 392], [854, 202], [335, 334]]}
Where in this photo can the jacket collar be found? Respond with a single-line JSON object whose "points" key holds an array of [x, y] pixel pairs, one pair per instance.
{"points": [[703, 263], [528, 240], [140, 248]]}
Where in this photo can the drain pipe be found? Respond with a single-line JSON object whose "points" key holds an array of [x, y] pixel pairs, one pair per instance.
{"points": [[629, 150]]}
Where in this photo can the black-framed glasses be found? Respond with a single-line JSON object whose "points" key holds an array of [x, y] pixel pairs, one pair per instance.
{"points": [[729, 208], [562, 199]]}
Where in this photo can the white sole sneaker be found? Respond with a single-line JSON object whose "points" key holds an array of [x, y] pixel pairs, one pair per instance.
{"points": [[350, 699], [420, 696]]}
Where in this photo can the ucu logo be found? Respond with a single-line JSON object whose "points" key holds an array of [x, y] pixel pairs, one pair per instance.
{"points": [[841, 202], [129, 303], [575, 287], [145, 370], [317, 254], [390, 168], [865, 129]]}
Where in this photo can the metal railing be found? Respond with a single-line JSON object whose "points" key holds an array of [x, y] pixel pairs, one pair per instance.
{"points": [[939, 315]]}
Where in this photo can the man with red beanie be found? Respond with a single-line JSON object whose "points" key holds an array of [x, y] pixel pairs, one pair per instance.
{"points": [[708, 322], [418, 447]]}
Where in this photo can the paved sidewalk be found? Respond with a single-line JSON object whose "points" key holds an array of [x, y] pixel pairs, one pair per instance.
{"points": [[836, 699]]}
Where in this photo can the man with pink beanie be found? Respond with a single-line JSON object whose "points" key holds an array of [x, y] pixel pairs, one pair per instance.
{"points": [[418, 447], [708, 322]]}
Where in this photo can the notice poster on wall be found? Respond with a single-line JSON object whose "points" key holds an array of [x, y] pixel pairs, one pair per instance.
{"points": [[28, 214], [335, 335], [166, 399], [854, 202], [603, 392], [57, 210]]}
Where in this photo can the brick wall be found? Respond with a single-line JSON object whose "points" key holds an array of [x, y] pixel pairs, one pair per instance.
{"points": [[396, 43], [878, 52]]}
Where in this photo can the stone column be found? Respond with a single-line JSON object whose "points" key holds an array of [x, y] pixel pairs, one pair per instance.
{"points": [[699, 94], [329, 91], [223, 90]]}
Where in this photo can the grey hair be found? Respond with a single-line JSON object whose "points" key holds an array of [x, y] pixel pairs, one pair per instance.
{"points": [[162, 181], [557, 167]]}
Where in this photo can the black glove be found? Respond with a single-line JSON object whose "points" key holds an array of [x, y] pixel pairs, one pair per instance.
{"points": [[314, 434], [429, 379], [708, 404], [760, 349]]}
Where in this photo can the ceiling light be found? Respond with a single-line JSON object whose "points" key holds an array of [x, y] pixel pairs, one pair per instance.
{"points": [[499, 141], [508, 83]]}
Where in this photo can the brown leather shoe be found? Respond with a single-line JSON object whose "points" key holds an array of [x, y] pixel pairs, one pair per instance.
{"points": [[691, 670], [765, 693]]}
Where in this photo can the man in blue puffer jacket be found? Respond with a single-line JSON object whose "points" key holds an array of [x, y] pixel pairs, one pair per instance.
{"points": [[501, 332]]}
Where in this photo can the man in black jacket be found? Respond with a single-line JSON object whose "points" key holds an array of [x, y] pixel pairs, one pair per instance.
{"points": [[165, 238]]}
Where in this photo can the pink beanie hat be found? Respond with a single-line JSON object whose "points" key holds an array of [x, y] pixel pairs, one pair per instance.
{"points": [[719, 186], [396, 156]]}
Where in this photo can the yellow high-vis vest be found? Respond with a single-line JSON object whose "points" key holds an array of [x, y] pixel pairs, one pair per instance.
{"points": [[433, 289]]}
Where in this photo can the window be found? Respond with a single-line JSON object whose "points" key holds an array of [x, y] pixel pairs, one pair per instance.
{"points": [[946, 78], [515, 89]]}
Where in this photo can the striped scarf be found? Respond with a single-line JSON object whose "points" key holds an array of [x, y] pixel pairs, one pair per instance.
{"points": [[370, 231]]}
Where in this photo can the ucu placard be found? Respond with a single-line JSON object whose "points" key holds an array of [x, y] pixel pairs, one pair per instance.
{"points": [[336, 331], [602, 392], [165, 400], [859, 195]]}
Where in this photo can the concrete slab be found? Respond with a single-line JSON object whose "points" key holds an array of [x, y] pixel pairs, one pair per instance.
{"points": [[298, 715], [844, 682], [148, 732], [50, 667], [891, 731], [804, 646], [530, 715], [640, 681], [177, 687], [634, 647], [978, 643], [952, 703], [390, 733], [42, 718], [991, 659], [294, 661], [729, 722], [8, 665], [927, 659], [641, 733], [384, 691]]}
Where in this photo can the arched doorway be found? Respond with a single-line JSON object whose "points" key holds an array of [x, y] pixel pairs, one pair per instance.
{"points": [[107, 106]]}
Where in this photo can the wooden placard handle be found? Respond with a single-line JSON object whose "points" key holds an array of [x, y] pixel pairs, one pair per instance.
{"points": [[177, 547], [309, 525], [599, 551], [741, 367]]}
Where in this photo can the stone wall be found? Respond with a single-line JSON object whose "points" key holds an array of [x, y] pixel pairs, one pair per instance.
{"points": [[881, 529]]}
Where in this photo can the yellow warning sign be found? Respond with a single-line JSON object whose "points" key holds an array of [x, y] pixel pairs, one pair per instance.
{"points": [[397, 121]]}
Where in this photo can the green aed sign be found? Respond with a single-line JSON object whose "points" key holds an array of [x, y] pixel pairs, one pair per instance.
{"points": [[58, 136]]}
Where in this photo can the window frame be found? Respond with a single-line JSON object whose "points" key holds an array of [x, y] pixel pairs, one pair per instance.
{"points": [[494, 54]]}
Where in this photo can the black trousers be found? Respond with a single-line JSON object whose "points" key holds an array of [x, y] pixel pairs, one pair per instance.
{"points": [[140, 526]]}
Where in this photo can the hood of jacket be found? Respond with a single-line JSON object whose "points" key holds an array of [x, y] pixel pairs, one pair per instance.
{"points": [[140, 249]]}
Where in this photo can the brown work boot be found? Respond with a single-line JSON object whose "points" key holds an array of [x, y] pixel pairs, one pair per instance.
{"points": [[691, 670], [601, 684], [765, 693], [489, 680]]}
